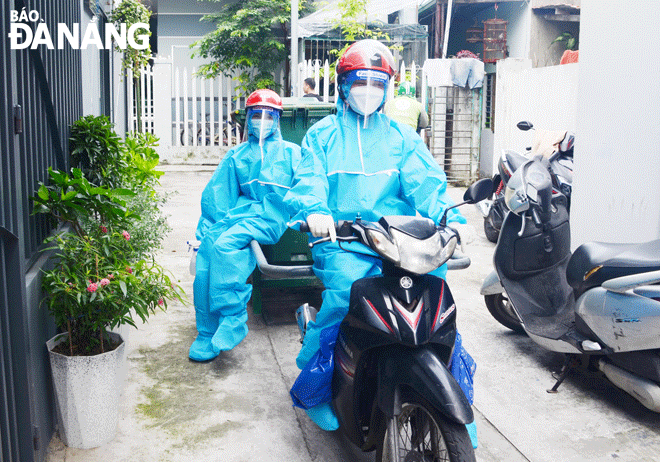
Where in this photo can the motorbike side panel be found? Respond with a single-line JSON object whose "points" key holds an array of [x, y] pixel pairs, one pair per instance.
{"points": [[491, 285], [624, 322]]}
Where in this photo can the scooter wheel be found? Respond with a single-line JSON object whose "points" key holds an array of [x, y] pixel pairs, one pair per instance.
{"points": [[424, 434], [501, 309], [492, 233]]}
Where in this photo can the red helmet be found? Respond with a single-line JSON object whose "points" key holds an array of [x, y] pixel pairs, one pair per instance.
{"points": [[366, 54], [264, 97]]}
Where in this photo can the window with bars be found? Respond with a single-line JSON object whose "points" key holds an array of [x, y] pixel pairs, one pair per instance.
{"points": [[489, 102]]}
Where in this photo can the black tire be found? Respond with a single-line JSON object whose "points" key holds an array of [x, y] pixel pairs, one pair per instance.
{"points": [[426, 435], [492, 233], [500, 308]]}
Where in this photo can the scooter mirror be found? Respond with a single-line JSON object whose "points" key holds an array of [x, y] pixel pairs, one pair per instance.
{"points": [[524, 125], [479, 191]]}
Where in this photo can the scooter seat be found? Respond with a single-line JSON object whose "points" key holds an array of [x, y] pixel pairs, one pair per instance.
{"points": [[514, 159], [596, 262]]}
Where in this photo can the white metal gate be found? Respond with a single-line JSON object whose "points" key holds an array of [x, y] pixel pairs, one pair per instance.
{"points": [[455, 131]]}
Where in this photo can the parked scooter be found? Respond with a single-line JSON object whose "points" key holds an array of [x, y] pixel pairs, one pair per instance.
{"points": [[600, 304], [392, 389], [561, 168]]}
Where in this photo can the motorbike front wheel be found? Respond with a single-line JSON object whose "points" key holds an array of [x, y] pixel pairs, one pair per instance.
{"points": [[421, 433], [491, 232], [501, 309]]}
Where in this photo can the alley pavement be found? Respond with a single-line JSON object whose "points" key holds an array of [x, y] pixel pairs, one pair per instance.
{"points": [[236, 408]]}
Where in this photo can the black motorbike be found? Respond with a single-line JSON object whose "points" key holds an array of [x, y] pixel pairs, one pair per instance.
{"points": [[560, 165], [392, 388]]}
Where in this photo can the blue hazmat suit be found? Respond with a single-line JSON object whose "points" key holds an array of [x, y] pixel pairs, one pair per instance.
{"points": [[241, 202], [346, 169], [375, 169]]}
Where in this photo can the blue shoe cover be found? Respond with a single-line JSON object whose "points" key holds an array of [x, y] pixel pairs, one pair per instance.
{"points": [[201, 349], [323, 416], [230, 333], [472, 431]]}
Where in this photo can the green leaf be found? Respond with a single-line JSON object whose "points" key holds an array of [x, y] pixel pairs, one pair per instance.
{"points": [[43, 192], [122, 285]]}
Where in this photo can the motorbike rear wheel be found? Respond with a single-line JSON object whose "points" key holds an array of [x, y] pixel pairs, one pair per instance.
{"points": [[424, 435], [501, 309]]}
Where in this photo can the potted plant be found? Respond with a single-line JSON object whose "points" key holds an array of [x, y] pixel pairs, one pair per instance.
{"points": [[104, 275]]}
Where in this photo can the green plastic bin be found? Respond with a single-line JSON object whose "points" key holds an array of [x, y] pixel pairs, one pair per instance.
{"points": [[292, 249], [297, 117]]}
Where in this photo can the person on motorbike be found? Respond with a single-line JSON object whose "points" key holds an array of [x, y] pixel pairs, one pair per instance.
{"points": [[241, 202], [358, 162]]}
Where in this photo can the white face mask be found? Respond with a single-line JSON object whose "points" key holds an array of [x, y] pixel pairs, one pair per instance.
{"points": [[261, 128], [365, 99]]}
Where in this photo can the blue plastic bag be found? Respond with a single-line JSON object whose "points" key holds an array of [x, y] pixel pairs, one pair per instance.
{"points": [[314, 383], [463, 368]]}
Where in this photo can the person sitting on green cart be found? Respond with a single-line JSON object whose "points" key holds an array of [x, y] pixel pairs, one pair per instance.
{"points": [[241, 202]]}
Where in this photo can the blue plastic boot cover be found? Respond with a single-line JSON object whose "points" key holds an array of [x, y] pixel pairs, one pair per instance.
{"points": [[231, 331], [201, 349], [323, 416], [472, 431], [314, 383]]}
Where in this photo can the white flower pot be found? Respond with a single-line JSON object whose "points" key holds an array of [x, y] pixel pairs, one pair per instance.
{"points": [[124, 330], [87, 390]]}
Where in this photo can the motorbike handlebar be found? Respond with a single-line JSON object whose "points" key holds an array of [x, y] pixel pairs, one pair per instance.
{"points": [[457, 261]]}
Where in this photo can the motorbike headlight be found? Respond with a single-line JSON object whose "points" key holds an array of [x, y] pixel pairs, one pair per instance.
{"points": [[423, 256], [384, 246]]}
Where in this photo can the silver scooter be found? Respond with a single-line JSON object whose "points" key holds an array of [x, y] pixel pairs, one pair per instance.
{"points": [[599, 304]]}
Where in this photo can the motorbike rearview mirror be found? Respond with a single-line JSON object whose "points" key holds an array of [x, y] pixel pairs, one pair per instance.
{"points": [[524, 125], [477, 192]]}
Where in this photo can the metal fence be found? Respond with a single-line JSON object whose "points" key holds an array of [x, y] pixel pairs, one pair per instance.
{"points": [[455, 131], [40, 89]]}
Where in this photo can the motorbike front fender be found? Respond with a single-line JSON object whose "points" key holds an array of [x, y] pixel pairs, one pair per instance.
{"points": [[491, 285], [424, 372]]}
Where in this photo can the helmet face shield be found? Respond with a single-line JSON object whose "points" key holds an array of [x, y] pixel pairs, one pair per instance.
{"points": [[262, 122], [365, 90]]}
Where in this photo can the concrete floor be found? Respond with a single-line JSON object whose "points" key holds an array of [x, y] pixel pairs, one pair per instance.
{"points": [[236, 408]]}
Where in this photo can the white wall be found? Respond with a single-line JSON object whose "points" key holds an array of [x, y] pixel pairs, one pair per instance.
{"points": [[617, 154], [545, 96]]}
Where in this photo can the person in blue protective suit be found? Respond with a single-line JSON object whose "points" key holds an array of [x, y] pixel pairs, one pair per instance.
{"points": [[359, 161], [241, 202]]}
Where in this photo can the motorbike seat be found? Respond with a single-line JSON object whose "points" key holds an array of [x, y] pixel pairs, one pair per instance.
{"points": [[514, 159], [614, 260]]}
